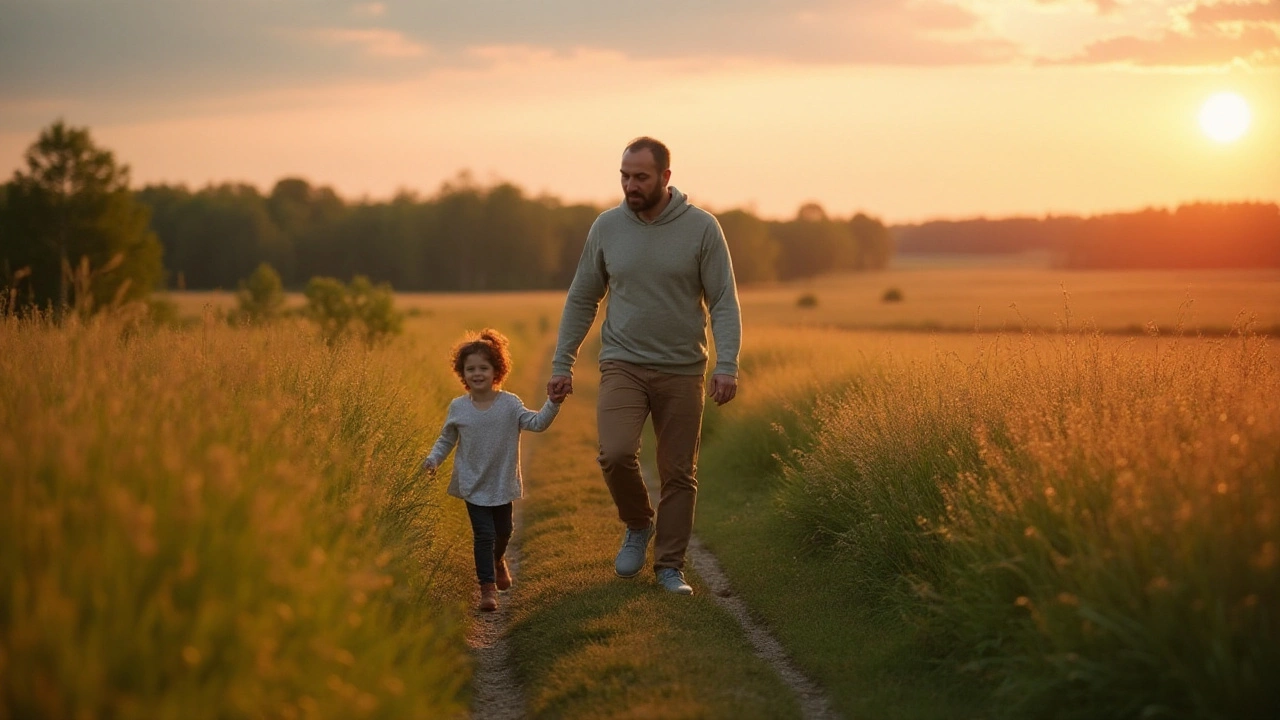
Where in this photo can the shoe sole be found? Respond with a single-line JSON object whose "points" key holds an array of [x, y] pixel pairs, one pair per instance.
{"points": [[625, 577]]}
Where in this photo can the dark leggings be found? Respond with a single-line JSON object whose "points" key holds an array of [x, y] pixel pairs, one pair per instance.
{"points": [[491, 528]]}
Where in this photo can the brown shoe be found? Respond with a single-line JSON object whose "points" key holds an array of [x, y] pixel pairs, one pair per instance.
{"points": [[503, 573], [488, 597]]}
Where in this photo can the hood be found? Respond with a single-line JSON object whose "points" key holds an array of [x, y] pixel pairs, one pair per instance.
{"points": [[678, 205]]}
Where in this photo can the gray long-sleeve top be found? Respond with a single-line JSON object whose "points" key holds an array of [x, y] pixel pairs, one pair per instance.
{"points": [[486, 468]]}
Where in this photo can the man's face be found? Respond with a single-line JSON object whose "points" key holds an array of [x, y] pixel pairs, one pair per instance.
{"points": [[642, 184]]}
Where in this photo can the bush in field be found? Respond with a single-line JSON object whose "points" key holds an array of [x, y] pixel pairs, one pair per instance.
{"points": [[261, 296], [1094, 530], [362, 309], [893, 294], [328, 307], [264, 556], [807, 300]]}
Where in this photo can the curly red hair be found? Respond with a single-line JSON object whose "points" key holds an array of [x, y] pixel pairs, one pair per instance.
{"points": [[489, 343]]}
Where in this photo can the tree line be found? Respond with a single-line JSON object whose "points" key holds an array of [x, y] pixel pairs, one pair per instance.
{"points": [[1196, 235], [71, 225], [72, 206], [464, 238]]}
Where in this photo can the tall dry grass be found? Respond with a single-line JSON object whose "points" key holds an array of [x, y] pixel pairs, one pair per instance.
{"points": [[217, 522], [1087, 526]]}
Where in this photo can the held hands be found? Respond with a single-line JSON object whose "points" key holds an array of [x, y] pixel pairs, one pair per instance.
{"points": [[429, 468], [559, 388], [723, 388]]}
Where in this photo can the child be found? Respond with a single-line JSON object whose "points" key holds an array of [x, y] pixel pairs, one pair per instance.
{"points": [[485, 425]]}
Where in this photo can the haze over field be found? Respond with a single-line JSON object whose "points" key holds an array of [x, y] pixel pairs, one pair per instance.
{"points": [[907, 109]]}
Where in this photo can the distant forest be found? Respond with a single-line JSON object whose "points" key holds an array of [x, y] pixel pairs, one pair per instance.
{"points": [[467, 237], [1202, 235], [71, 216], [464, 238]]}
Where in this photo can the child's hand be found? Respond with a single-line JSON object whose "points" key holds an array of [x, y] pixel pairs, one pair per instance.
{"points": [[428, 467], [557, 397]]}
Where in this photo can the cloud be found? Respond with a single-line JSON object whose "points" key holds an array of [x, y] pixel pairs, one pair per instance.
{"points": [[1103, 7], [1267, 11], [142, 52], [106, 61], [1204, 34], [370, 9], [373, 42], [77, 47], [1258, 47], [942, 16]]}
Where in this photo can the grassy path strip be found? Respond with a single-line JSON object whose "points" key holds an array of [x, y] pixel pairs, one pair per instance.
{"points": [[814, 704], [586, 644], [870, 664]]}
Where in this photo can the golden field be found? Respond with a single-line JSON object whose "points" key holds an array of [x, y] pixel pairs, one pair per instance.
{"points": [[206, 518]]}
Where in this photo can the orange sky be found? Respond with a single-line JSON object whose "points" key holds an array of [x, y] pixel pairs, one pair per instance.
{"points": [[905, 109]]}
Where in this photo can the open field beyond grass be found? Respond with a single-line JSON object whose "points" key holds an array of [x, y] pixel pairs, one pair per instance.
{"points": [[944, 299], [1013, 299]]}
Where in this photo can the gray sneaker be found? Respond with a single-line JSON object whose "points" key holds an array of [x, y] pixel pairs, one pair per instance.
{"points": [[673, 580], [631, 555]]}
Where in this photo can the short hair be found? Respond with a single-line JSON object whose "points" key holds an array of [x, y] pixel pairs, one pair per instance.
{"points": [[490, 343], [661, 155]]}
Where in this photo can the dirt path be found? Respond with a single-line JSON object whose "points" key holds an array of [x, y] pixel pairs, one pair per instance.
{"points": [[495, 694]]}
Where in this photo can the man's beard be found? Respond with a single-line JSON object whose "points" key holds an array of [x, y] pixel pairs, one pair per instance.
{"points": [[642, 203]]}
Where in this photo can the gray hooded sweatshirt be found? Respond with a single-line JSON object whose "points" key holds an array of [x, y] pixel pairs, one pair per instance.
{"points": [[664, 280]]}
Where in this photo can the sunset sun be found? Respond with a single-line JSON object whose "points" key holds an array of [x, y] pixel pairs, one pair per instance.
{"points": [[1224, 117]]}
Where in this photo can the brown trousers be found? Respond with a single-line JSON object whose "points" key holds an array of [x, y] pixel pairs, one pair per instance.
{"points": [[628, 395]]}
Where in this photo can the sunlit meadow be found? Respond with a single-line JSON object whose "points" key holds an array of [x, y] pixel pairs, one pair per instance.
{"points": [[1075, 521], [222, 519]]}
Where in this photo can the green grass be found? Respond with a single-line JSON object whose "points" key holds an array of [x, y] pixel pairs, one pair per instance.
{"points": [[871, 663], [1056, 527]]}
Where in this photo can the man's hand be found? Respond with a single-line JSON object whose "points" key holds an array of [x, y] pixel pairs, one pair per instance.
{"points": [[559, 387], [723, 388], [428, 468]]}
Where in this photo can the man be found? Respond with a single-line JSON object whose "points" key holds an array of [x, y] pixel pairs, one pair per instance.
{"points": [[665, 268]]}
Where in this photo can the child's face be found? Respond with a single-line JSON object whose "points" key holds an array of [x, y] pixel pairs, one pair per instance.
{"points": [[478, 373]]}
